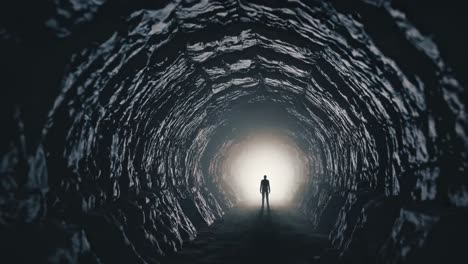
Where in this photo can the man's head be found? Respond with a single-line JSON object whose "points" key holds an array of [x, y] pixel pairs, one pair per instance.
{"points": [[264, 176]]}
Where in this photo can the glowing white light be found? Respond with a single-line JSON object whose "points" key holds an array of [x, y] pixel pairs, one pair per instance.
{"points": [[257, 157]]}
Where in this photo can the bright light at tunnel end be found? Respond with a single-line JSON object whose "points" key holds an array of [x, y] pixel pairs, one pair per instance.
{"points": [[255, 157]]}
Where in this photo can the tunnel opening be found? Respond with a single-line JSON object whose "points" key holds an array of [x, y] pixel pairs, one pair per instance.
{"points": [[258, 139], [264, 155], [166, 116]]}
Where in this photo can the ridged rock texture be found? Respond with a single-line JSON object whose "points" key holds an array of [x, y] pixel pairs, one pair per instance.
{"points": [[116, 116]]}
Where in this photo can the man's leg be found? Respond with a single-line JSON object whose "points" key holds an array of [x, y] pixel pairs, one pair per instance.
{"points": [[263, 199], [268, 201]]}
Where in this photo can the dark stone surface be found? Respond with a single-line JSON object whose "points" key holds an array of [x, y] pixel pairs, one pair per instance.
{"points": [[348, 217], [425, 233], [46, 242], [371, 230]]}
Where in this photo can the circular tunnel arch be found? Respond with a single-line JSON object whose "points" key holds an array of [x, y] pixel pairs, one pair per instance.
{"points": [[155, 94], [144, 118]]}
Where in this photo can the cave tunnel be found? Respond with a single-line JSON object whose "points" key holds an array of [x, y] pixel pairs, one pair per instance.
{"points": [[139, 131]]}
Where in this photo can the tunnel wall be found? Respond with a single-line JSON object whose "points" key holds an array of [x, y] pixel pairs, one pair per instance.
{"points": [[116, 162]]}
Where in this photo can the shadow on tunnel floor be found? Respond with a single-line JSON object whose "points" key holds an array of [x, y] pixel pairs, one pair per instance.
{"points": [[247, 234]]}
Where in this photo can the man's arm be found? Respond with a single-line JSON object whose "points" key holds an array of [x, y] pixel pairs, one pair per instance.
{"points": [[269, 190], [260, 187]]}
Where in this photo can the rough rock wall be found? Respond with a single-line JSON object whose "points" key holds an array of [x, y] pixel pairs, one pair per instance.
{"points": [[429, 161]]}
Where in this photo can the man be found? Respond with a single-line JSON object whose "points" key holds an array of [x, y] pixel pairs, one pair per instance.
{"points": [[265, 190]]}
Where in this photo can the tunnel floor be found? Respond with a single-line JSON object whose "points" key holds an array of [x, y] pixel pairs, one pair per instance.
{"points": [[246, 235]]}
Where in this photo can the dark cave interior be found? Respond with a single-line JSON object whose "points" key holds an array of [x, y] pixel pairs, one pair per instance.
{"points": [[119, 119]]}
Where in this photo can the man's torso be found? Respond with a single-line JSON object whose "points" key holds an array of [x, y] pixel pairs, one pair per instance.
{"points": [[265, 185]]}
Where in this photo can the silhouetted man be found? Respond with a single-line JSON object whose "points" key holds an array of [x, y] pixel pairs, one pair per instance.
{"points": [[265, 190]]}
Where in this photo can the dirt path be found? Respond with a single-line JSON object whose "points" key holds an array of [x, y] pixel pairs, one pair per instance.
{"points": [[246, 235]]}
